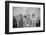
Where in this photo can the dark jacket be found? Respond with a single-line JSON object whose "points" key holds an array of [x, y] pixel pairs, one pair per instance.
{"points": [[38, 23], [21, 22], [14, 22]]}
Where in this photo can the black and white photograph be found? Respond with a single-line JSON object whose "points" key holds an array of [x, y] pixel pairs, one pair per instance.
{"points": [[22, 17], [26, 17]]}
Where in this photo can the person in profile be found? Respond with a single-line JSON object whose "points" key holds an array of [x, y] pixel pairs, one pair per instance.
{"points": [[21, 21], [14, 22]]}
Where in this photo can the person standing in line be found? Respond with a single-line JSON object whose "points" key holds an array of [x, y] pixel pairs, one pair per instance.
{"points": [[29, 21], [18, 18], [21, 21], [14, 22], [38, 22], [24, 21], [33, 20]]}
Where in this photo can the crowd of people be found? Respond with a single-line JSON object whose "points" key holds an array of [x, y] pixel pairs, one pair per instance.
{"points": [[20, 21]]}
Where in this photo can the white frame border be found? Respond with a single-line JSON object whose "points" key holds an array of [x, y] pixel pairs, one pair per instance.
{"points": [[23, 29]]}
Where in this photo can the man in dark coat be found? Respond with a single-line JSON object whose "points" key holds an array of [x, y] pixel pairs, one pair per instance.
{"points": [[38, 23], [21, 21], [14, 22]]}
